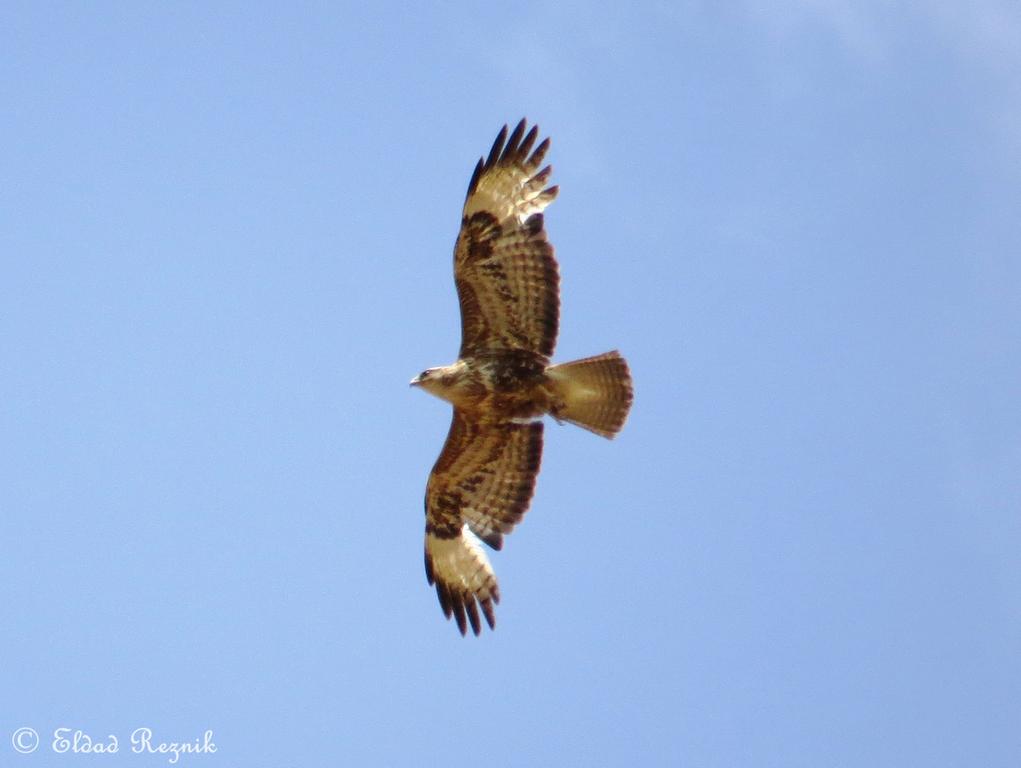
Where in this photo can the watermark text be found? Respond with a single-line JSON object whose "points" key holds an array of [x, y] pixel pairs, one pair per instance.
{"points": [[141, 741]]}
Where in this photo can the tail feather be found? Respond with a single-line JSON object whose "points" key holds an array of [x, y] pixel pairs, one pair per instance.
{"points": [[595, 393]]}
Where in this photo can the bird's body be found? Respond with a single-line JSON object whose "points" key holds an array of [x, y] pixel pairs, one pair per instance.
{"points": [[503, 381], [508, 386]]}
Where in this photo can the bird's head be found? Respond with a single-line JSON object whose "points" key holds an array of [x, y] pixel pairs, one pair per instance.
{"points": [[426, 377], [442, 381]]}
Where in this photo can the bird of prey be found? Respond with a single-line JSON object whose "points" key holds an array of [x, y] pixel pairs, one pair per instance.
{"points": [[503, 381]]}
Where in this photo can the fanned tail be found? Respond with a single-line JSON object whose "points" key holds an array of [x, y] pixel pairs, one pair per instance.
{"points": [[595, 393]]}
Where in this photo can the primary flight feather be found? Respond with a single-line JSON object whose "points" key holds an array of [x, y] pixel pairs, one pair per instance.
{"points": [[502, 384]]}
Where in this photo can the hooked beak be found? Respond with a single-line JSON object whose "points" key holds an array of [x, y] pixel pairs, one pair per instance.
{"points": [[415, 381]]}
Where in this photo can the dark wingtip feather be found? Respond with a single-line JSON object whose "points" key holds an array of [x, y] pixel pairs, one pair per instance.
{"points": [[526, 145], [542, 176], [511, 150], [494, 153], [429, 567], [444, 597], [458, 605], [473, 615], [487, 610], [539, 153], [475, 178]]}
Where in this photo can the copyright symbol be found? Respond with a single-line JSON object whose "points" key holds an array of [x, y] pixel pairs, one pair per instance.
{"points": [[25, 740]]}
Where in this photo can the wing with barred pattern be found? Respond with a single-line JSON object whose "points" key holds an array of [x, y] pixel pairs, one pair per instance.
{"points": [[479, 489], [506, 274]]}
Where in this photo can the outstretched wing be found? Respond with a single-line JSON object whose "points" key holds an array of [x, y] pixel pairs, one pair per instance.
{"points": [[504, 268], [479, 488]]}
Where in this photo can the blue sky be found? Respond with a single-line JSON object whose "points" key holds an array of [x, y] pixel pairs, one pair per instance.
{"points": [[225, 238]]}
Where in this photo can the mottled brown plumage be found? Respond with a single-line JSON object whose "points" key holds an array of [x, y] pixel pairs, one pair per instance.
{"points": [[503, 383]]}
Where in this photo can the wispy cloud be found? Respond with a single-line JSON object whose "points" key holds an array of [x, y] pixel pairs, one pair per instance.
{"points": [[855, 28], [984, 35], [986, 29], [987, 35]]}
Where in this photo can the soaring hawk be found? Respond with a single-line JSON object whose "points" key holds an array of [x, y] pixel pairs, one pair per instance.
{"points": [[503, 382]]}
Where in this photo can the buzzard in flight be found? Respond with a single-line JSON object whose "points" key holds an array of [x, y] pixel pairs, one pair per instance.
{"points": [[503, 382]]}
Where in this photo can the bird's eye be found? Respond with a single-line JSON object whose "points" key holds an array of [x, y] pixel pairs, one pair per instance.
{"points": [[424, 375]]}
